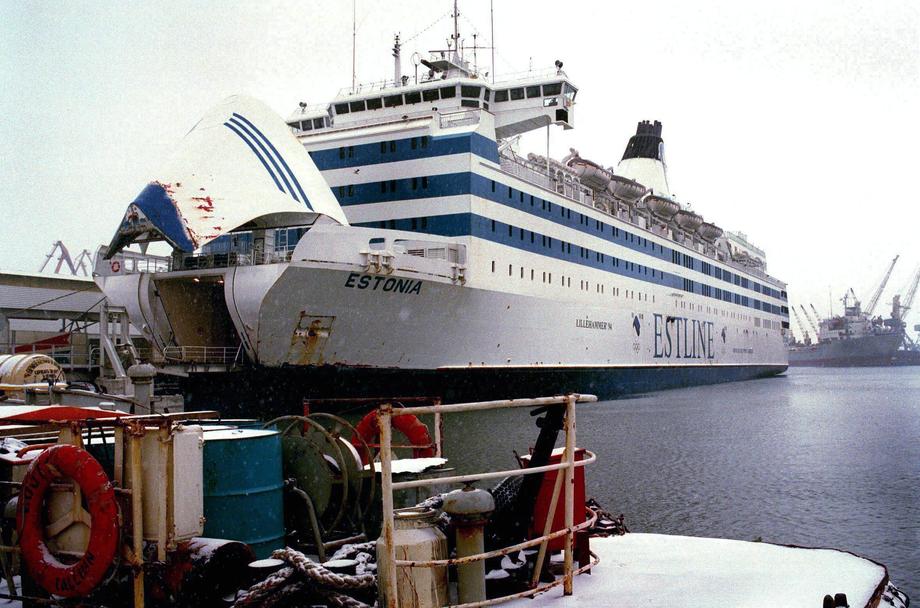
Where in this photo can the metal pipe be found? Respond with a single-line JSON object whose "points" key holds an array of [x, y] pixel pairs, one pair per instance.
{"points": [[314, 523], [438, 430], [491, 405], [456, 561], [547, 526], [384, 422], [416, 483], [137, 514], [569, 491]]}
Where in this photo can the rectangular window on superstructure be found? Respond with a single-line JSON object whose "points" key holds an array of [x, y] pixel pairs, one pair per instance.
{"points": [[510, 230], [469, 103], [424, 141], [533, 91], [448, 92], [383, 187], [522, 233], [351, 189], [341, 152], [351, 151], [413, 143], [552, 89], [357, 106], [413, 97], [341, 108], [393, 146], [424, 181], [391, 101], [493, 265], [510, 191], [469, 91], [414, 224], [517, 94], [318, 123], [392, 185], [374, 104], [493, 185], [509, 270], [531, 200], [415, 183], [493, 225], [500, 96], [521, 195], [424, 223], [383, 147], [430, 94], [341, 191]]}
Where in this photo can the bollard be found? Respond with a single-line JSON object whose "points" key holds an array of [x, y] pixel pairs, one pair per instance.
{"points": [[142, 375], [469, 511]]}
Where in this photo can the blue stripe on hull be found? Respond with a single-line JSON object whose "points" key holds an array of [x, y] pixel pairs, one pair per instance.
{"points": [[265, 392]]}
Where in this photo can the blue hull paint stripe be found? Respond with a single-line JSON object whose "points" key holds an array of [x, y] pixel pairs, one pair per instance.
{"points": [[288, 189], [468, 224], [256, 152], [159, 208], [467, 183], [290, 173], [371, 154]]}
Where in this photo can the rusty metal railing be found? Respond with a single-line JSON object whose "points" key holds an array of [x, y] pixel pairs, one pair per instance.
{"points": [[386, 412]]}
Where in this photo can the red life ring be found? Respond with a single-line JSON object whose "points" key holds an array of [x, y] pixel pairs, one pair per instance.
{"points": [[81, 578], [410, 426], [116, 265]]}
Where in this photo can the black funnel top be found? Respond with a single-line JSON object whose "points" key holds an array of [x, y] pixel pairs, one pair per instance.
{"points": [[646, 143]]}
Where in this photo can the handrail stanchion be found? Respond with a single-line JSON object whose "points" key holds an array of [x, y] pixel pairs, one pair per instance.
{"points": [[569, 490], [384, 420], [438, 428]]}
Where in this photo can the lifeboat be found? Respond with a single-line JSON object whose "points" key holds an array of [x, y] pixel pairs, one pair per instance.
{"points": [[625, 189], [688, 220], [590, 173], [709, 232], [662, 206]]}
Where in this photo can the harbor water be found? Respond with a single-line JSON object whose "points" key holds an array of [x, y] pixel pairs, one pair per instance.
{"points": [[817, 457]]}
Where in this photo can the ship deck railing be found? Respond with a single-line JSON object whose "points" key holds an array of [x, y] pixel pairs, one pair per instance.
{"points": [[69, 357], [564, 490], [222, 355], [568, 186]]}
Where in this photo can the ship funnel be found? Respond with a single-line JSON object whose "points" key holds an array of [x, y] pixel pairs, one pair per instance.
{"points": [[239, 168], [643, 161]]}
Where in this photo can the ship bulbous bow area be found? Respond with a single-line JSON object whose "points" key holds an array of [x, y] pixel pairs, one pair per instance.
{"points": [[238, 168]]}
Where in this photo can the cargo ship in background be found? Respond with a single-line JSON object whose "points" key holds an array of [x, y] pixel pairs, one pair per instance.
{"points": [[395, 241], [856, 338]]}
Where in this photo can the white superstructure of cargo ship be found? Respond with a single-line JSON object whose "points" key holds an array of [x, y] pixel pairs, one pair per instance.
{"points": [[396, 235]]}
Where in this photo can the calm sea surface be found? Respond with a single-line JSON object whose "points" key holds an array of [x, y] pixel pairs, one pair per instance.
{"points": [[818, 457]]}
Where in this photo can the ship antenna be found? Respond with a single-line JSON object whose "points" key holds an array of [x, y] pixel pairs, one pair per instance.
{"points": [[354, 46], [492, 23], [456, 37]]}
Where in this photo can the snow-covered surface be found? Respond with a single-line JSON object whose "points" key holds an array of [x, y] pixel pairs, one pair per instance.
{"points": [[652, 570], [413, 465]]}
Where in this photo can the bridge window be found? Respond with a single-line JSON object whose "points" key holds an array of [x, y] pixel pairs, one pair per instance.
{"points": [[469, 91], [448, 92], [552, 89], [356, 106], [318, 123], [469, 103], [341, 108], [374, 104], [517, 94], [500, 96], [430, 94], [392, 101], [533, 91], [414, 97], [485, 94], [570, 92]]}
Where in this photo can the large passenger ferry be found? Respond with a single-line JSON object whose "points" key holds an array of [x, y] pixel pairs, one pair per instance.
{"points": [[396, 239]]}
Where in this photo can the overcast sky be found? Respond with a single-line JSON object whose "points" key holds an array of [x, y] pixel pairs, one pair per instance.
{"points": [[793, 121]]}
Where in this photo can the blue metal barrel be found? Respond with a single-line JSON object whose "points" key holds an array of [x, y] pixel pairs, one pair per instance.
{"points": [[243, 488]]}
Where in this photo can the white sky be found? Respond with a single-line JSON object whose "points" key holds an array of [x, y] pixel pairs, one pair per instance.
{"points": [[793, 121]]}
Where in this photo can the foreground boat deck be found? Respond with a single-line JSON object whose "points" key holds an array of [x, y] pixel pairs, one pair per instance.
{"points": [[652, 570]]}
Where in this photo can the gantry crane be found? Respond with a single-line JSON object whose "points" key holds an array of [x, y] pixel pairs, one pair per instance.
{"points": [[814, 326], [801, 325], [873, 301]]}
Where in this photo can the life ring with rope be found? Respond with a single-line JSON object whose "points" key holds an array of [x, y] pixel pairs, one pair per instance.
{"points": [[116, 265], [80, 578], [409, 425]]}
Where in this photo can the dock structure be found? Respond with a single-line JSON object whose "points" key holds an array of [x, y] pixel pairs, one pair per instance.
{"points": [[52, 315]]}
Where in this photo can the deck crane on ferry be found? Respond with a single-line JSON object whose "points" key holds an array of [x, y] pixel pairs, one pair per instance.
{"points": [[873, 301]]}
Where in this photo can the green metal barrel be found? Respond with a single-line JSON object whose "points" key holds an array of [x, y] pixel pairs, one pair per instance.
{"points": [[243, 495]]}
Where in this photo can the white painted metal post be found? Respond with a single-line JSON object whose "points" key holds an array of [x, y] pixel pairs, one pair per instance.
{"points": [[384, 422], [437, 430], [569, 490]]}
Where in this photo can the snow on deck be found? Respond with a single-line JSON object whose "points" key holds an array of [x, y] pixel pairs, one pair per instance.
{"points": [[651, 570]]}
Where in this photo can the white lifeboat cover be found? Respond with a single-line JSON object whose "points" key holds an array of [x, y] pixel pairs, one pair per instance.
{"points": [[239, 167]]}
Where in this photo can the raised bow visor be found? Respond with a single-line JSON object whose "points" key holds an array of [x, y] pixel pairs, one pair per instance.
{"points": [[239, 168]]}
